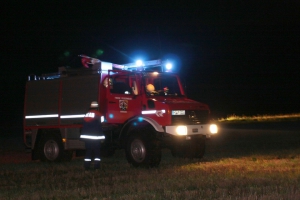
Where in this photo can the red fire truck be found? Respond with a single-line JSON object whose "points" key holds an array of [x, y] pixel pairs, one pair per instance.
{"points": [[144, 106]]}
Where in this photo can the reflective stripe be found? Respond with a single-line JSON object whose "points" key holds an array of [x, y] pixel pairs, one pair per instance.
{"points": [[62, 116], [97, 159], [92, 137], [41, 116], [90, 114], [72, 116], [145, 112], [86, 159], [56, 115]]}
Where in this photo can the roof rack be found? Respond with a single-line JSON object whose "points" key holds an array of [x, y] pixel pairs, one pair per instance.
{"points": [[67, 72], [98, 66]]}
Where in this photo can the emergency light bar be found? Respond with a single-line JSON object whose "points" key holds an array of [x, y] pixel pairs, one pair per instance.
{"points": [[149, 66], [146, 64], [139, 65]]}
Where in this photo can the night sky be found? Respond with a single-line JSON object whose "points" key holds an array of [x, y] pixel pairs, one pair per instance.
{"points": [[240, 57]]}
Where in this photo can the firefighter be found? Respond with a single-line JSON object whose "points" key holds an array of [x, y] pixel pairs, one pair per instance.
{"points": [[150, 89], [92, 134]]}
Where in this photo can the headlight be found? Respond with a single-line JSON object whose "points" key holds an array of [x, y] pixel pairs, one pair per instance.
{"points": [[181, 130], [213, 128]]}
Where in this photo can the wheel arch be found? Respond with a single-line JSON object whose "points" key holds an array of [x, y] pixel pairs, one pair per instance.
{"points": [[135, 123], [45, 131]]}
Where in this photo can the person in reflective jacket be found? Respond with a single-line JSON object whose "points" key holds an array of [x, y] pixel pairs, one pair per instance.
{"points": [[92, 134]]}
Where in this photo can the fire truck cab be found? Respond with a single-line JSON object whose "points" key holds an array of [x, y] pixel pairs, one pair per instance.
{"points": [[144, 107]]}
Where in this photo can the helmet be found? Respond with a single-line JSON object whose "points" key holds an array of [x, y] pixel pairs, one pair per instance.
{"points": [[94, 104], [150, 88]]}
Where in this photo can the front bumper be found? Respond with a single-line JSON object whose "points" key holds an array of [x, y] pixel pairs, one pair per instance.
{"points": [[190, 130]]}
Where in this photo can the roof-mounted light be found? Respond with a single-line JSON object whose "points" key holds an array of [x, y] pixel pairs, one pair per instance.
{"points": [[139, 63], [151, 65], [142, 65], [169, 66]]}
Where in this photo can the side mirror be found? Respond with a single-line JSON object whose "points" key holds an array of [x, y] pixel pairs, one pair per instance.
{"points": [[135, 88]]}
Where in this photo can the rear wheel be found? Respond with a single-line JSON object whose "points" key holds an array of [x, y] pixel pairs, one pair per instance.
{"points": [[51, 148], [143, 150]]}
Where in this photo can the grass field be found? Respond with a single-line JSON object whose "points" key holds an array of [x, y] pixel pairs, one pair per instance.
{"points": [[279, 117], [238, 164], [249, 177]]}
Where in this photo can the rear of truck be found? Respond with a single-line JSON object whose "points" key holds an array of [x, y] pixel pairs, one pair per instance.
{"points": [[53, 113]]}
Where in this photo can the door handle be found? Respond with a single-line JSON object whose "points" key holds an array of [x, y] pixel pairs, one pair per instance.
{"points": [[112, 102]]}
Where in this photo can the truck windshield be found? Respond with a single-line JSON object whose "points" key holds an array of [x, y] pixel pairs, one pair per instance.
{"points": [[157, 84]]}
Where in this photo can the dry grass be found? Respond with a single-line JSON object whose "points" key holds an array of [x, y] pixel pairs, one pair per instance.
{"points": [[232, 169], [243, 178], [238, 164], [279, 117]]}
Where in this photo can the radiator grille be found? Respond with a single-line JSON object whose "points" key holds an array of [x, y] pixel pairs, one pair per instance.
{"points": [[191, 117]]}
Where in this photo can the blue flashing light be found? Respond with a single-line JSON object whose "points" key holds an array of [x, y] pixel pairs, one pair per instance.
{"points": [[111, 116], [139, 63], [169, 66], [140, 119]]}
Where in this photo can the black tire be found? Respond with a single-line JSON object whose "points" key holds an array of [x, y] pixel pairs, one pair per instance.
{"points": [[143, 150], [51, 148]]}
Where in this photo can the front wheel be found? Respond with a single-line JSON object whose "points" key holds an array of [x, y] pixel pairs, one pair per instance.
{"points": [[143, 151]]}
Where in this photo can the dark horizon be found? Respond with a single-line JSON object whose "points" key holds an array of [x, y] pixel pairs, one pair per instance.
{"points": [[238, 58]]}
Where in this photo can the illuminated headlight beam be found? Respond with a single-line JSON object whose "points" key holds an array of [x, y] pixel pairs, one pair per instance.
{"points": [[181, 130], [213, 128]]}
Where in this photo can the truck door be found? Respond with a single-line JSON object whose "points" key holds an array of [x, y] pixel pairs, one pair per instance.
{"points": [[123, 99]]}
